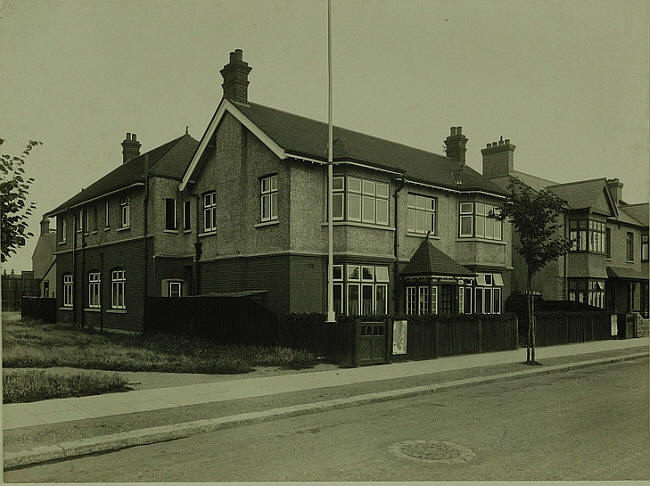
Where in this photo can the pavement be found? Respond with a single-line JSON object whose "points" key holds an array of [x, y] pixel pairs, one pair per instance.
{"points": [[63, 428]]}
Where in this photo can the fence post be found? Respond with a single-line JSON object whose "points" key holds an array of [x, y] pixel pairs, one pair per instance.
{"points": [[388, 332]]}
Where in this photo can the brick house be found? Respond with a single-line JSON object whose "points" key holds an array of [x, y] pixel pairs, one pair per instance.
{"points": [[607, 265], [245, 210]]}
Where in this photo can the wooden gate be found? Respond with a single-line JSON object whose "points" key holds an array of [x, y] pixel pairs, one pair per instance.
{"points": [[372, 343]]}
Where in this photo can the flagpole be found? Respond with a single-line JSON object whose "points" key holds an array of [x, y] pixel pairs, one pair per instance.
{"points": [[330, 174]]}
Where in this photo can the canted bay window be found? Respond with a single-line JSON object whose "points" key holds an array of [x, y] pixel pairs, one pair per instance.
{"points": [[209, 211], [367, 289], [94, 290], [591, 292], [118, 290], [587, 235], [367, 201], [475, 220], [422, 299], [67, 290], [269, 198], [421, 214]]}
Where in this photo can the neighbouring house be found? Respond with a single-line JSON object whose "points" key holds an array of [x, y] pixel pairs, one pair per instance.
{"points": [[607, 265], [245, 210], [15, 286], [44, 261]]}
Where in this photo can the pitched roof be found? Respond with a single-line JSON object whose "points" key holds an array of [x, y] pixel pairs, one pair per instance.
{"points": [[429, 260], [580, 194], [302, 136], [637, 211], [168, 160]]}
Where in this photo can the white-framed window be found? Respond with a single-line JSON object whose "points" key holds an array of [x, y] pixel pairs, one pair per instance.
{"points": [[434, 299], [487, 294], [175, 288], [588, 235], [67, 290], [338, 198], [353, 299], [367, 288], [411, 300], [461, 300], [64, 229], [187, 213], [124, 211], [107, 214], [337, 274], [467, 300], [170, 213], [421, 217], [209, 211], [94, 289], [381, 299], [118, 290], [269, 198], [80, 221], [367, 201], [477, 219], [423, 300], [644, 248]]}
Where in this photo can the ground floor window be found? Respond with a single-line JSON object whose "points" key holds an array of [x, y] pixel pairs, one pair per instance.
{"points": [[591, 292], [118, 291], [67, 290], [367, 289], [94, 289]]}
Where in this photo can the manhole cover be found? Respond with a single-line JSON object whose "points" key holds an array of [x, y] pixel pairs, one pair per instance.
{"points": [[434, 451]]}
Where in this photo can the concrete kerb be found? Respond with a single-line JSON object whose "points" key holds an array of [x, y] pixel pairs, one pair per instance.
{"points": [[112, 442]]}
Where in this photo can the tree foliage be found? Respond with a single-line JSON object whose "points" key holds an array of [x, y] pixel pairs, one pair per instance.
{"points": [[535, 217], [15, 210]]}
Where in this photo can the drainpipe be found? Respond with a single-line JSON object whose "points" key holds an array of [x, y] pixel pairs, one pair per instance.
{"points": [[197, 248], [82, 294], [145, 204], [396, 287]]}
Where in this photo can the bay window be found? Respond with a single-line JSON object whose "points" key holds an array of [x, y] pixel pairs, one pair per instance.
{"points": [[477, 219], [367, 200], [588, 236], [367, 289], [591, 292]]}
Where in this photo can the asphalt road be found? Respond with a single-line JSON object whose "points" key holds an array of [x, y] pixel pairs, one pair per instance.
{"points": [[588, 424]]}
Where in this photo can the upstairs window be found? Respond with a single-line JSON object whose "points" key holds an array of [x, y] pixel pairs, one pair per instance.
{"points": [[644, 248], [170, 214], [367, 201], [477, 220], [64, 229], [338, 197], [421, 214], [269, 198], [209, 211], [107, 214], [80, 221], [84, 225], [630, 247], [608, 242], [124, 211], [587, 235], [94, 290], [187, 208]]}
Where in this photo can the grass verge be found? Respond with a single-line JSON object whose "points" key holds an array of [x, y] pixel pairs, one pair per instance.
{"points": [[34, 344], [21, 386]]}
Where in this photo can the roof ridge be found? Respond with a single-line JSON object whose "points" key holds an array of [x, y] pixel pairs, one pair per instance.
{"points": [[353, 131], [579, 182]]}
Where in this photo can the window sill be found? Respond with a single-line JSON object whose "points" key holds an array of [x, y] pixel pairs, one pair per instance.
{"points": [[482, 240], [116, 311], [187, 231], [169, 231], [422, 235], [123, 228], [107, 229], [69, 309], [267, 223], [208, 233], [92, 309], [62, 242], [95, 232], [359, 224], [629, 261]]}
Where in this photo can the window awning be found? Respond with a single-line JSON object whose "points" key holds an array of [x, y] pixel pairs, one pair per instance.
{"points": [[430, 261]]}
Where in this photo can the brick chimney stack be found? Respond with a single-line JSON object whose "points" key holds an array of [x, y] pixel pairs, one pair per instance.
{"points": [[45, 226], [130, 148], [498, 158], [235, 78], [616, 189], [455, 144]]}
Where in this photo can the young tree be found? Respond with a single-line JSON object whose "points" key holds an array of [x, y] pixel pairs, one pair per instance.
{"points": [[534, 215], [14, 208]]}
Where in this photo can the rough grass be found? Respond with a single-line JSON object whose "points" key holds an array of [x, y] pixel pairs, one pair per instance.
{"points": [[31, 385], [34, 344]]}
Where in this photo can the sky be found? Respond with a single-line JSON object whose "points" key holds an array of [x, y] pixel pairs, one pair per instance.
{"points": [[565, 81]]}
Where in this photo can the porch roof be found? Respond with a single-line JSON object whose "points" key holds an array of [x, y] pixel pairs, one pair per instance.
{"points": [[429, 260], [625, 273]]}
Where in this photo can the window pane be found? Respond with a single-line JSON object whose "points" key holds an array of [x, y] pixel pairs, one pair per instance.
{"points": [[266, 207], [354, 185], [410, 220], [411, 200], [369, 188], [368, 209], [382, 211], [170, 214], [381, 274], [274, 183], [274, 205], [496, 307], [431, 222], [264, 185], [410, 300], [382, 190], [466, 208], [337, 271], [367, 291], [489, 228], [421, 222], [353, 272], [354, 207], [480, 208], [367, 273], [338, 298], [479, 301], [420, 202], [353, 299], [487, 301], [480, 226], [423, 300], [468, 300], [498, 228], [466, 226], [381, 300], [337, 183]]}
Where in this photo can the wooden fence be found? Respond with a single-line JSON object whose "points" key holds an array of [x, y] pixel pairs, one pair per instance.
{"points": [[38, 308], [223, 320], [431, 336], [553, 328]]}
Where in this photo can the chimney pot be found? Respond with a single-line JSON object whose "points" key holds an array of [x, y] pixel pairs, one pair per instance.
{"points": [[459, 130], [507, 141], [453, 130], [501, 141]]}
